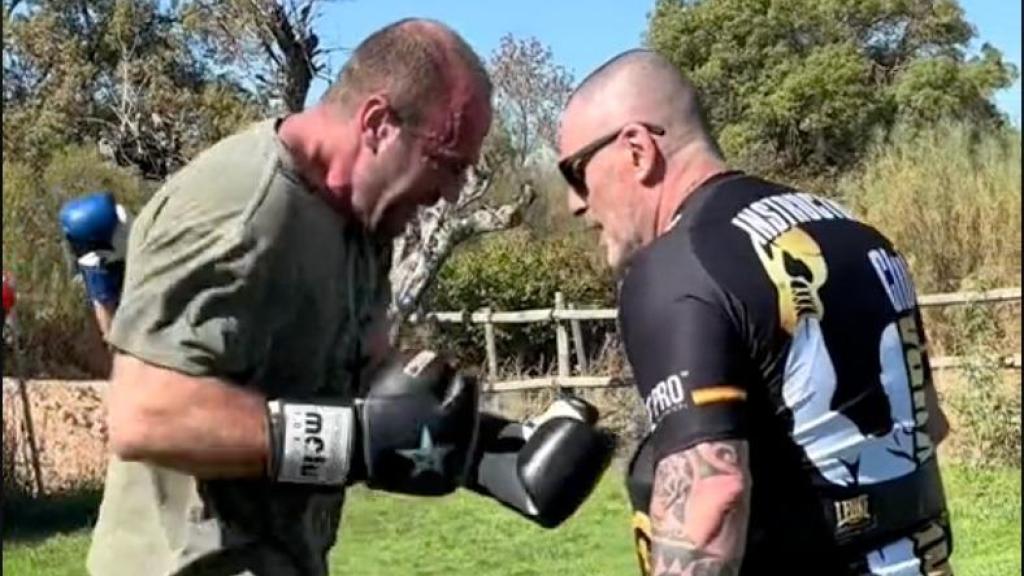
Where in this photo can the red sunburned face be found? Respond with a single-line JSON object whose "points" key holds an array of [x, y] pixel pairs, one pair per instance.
{"points": [[434, 160]]}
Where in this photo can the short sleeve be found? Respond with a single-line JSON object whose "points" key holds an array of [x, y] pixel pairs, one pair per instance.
{"points": [[687, 361], [199, 299]]}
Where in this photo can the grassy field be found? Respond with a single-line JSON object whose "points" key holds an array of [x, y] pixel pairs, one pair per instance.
{"points": [[463, 535]]}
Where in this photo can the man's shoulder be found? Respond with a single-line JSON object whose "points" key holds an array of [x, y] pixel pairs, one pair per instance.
{"points": [[252, 144], [716, 203], [226, 184], [229, 171], [661, 273], [705, 252]]}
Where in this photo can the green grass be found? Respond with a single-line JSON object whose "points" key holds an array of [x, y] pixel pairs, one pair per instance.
{"points": [[985, 508], [465, 535]]}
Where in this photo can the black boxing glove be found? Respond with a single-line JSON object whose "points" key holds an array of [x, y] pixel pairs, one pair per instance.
{"points": [[418, 425], [546, 467], [412, 433]]}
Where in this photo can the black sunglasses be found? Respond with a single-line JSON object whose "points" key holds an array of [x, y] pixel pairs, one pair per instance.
{"points": [[574, 166]]}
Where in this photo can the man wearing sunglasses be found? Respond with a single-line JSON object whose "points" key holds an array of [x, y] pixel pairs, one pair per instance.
{"points": [[250, 351], [776, 345]]}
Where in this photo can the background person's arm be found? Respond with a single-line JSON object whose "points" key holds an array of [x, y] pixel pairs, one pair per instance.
{"points": [[104, 315], [96, 231]]}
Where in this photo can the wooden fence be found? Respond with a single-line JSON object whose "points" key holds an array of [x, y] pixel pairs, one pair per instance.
{"points": [[566, 321], [562, 314]]}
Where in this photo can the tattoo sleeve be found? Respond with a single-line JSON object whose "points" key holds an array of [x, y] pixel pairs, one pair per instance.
{"points": [[700, 509]]}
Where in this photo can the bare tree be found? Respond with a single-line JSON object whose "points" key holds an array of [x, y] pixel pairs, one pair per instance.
{"points": [[531, 91], [271, 42]]}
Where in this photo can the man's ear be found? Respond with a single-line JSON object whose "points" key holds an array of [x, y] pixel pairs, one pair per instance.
{"points": [[376, 122], [643, 152]]}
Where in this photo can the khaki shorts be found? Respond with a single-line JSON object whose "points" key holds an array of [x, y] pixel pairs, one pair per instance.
{"points": [[143, 520], [150, 523]]}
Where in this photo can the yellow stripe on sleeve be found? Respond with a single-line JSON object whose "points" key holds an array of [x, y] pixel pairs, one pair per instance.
{"points": [[715, 394]]}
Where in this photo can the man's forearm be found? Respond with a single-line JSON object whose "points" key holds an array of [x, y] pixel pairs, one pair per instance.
{"points": [[104, 317], [97, 354], [199, 426], [700, 509]]}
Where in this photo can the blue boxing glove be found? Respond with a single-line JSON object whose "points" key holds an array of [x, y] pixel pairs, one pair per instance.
{"points": [[96, 230]]}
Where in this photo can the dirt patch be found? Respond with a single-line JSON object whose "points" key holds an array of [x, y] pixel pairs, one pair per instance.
{"points": [[69, 431]]}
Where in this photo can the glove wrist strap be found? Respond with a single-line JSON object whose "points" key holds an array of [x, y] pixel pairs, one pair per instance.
{"points": [[103, 283], [310, 443]]}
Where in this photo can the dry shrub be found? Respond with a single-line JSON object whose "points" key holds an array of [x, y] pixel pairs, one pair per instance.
{"points": [[58, 337], [619, 406], [949, 196], [982, 400]]}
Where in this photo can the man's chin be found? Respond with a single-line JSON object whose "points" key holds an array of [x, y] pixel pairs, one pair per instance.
{"points": [[618, 260], [618, 268]]}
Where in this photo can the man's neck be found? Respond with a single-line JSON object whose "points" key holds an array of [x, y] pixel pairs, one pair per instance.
{"points": [[314, 157], [687, 170]]}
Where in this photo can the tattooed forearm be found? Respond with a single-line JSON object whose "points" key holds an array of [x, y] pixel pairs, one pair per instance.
{"points": [[699, 510]]}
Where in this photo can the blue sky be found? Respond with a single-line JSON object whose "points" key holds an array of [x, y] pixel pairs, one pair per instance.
{"points": [[582, 34]]}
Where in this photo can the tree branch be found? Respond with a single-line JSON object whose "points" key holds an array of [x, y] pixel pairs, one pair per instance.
{"points": [[478, 182], [419, 254], [487, 220]]}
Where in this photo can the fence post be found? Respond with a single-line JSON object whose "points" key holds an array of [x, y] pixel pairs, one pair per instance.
{"points": [[577, 340], [493, 399], [561, 339], [492, 349]]}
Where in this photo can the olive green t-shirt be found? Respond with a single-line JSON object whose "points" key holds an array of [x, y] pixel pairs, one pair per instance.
{"points": [[236, 270]]}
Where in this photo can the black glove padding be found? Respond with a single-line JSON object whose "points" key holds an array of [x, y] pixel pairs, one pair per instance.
{"points": [[544, 468], [417, 427]]}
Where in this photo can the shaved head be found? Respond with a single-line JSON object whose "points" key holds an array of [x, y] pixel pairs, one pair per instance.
{"points": [[633, 143], [641, 85]]}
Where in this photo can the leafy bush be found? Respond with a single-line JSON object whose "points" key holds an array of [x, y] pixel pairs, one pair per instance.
{"points": [[797, 88], [985, 402], [514, 271], [57, 334]]}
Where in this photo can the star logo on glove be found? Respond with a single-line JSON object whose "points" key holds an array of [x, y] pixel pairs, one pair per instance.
{"points": [[427, 456]]}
